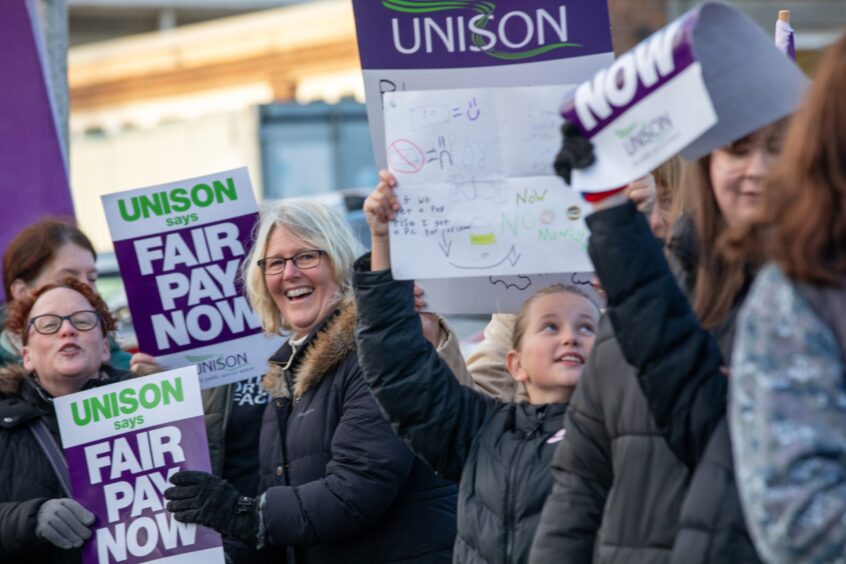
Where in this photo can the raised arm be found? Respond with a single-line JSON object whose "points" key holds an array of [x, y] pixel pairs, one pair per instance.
{"points": [[416, 389], [678, 362]]}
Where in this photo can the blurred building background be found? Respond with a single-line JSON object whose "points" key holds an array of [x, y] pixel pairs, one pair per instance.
{"points": [[167, 89]]}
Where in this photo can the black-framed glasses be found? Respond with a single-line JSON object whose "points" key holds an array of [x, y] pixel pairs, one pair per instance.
{"points": [[302, 260], [50, 323]]}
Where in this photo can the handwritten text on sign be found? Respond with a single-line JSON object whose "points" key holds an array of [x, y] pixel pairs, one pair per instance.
{"points": [[476, 185]]}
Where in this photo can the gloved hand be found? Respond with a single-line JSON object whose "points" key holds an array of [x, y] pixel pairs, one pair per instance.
{"points": [[199, 497], [64, 523], [576, 152]]}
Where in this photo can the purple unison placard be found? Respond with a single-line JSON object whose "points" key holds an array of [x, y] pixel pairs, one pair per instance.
{"points": [[122, 443], [706, 79], [180, 247], [636, 74], [431, 34], [429, 44], [35, 181], [196, 296]]}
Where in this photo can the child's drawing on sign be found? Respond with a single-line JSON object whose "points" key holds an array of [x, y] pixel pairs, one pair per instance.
{"points": [[474, 189], [471, 111], [404, 156], [440, 154], [470, 205], [439, 114]]}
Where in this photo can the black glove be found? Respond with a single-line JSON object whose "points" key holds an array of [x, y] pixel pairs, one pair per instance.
{"points": [[576, 152], [199, 497]]}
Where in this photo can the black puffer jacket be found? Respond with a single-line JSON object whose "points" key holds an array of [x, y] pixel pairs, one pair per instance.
{"points": [[26, 477], [499, 452], [340, 486], [681, 370], [678, 367], [618, 488]]}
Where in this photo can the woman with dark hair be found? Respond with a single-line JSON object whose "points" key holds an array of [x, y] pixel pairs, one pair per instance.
{"points": [[63, 329], [660, 376], [42, 253], [788, 384]]}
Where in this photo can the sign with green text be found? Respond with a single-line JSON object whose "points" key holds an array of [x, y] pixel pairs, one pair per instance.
{"points": [[122, 443], [180, 247]]}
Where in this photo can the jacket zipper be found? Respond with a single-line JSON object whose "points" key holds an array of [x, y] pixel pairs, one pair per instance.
{"points": [[516, 464]]}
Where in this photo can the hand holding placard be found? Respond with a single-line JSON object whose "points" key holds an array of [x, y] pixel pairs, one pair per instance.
{"points": [[64, 523], [205, 499], [708, 78]]}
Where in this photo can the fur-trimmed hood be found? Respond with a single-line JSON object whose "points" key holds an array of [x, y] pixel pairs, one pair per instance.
{"points": [[334, 342], [11, 377]]}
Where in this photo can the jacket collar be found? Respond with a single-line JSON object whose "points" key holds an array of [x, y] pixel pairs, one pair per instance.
{"points": [[330, 343], [22, 398]]}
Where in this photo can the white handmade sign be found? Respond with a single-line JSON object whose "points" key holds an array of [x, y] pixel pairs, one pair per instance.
{"points": [[476, 184], [498, 294]]}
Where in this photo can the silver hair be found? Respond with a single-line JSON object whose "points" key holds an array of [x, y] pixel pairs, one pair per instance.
{"points": [[316, 225]]}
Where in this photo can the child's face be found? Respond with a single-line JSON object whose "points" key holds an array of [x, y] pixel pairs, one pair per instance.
{"points": [[559, 336]]}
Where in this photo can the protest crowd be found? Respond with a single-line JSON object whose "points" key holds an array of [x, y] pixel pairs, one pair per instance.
{"points": [[690, 408]]}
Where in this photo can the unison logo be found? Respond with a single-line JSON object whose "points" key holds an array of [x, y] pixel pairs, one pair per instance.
{"points": [[177, 200], [469, 25], [220, 363], [643, 134]]}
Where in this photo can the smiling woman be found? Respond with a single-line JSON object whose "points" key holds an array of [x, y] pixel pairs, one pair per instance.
{"points": [[338, 485], [63, 329]]}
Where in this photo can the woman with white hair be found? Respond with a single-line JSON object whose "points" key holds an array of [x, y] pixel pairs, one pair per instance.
{"points": [[339, 486]]}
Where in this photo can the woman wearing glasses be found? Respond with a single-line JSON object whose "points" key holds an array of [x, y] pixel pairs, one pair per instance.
{"points": [[339, 486], [46, 252], [64, 329]]}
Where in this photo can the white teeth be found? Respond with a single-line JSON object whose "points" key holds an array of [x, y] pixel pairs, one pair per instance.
{"points": [[296, 292], [570, 357]]}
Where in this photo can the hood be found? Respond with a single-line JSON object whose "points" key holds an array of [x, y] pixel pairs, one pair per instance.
{"points": [[11, 377], [322, 352]]}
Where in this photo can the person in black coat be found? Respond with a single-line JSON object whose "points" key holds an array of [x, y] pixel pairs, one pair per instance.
{"points": [[338, 485], [498, 452], [63, 329], [674, 344]]}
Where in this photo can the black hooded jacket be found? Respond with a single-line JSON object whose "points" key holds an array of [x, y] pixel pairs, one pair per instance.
{"points": [[339, 485], [498, 452], [26, 478], [655, 360]]}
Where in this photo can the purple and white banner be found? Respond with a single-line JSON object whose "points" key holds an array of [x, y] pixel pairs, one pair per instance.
{"points": [[35, 180], [122, 443], [706, 79], [429, 44], [180, 247]]}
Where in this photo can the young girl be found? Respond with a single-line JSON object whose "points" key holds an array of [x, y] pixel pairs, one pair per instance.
{"points": [[499, 453]]}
